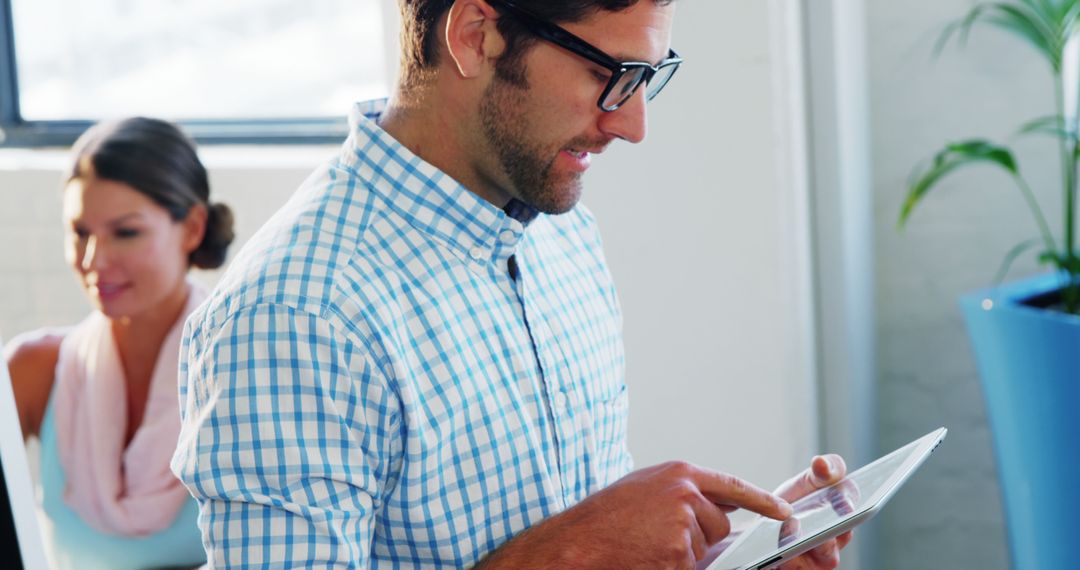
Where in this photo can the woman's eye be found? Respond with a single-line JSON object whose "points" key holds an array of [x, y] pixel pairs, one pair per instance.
{"points": [[126, 233], [80, 233]]}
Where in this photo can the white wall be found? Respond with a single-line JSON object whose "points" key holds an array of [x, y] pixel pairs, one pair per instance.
{"points": [[704, 234], [699, 237]]}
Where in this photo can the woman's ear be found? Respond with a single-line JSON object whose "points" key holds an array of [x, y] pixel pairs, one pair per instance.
{"points": [[195, 227], [472, 39]]}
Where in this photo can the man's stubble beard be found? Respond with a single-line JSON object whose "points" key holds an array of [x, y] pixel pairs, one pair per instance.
{"points": [[529, 166]]}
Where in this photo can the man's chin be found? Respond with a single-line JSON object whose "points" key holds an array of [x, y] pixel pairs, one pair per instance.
{"points": [[557, 199]]}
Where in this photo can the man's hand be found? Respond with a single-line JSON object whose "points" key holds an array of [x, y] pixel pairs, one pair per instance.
{"points": [[666, 516], [824, 471]]}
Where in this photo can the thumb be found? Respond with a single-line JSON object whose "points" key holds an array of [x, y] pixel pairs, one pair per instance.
{"points": [[826, 470]]}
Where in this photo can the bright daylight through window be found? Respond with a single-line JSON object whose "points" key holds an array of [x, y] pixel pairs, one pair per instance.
{"points": [[197, 59]]}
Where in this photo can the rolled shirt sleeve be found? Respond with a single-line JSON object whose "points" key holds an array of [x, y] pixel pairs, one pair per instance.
{"points": [[288, 440]]}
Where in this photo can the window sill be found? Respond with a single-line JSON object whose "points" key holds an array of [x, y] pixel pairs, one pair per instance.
{"points": [[215, 158]]}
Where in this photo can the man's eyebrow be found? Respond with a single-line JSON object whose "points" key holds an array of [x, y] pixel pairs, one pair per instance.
{"points": [[624, 58]]}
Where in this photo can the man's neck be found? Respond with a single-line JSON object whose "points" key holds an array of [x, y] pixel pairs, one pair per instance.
{"points": [[435, 132]]}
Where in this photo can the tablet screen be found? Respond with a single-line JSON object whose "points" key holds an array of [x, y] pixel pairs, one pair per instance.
{"points": [[827, 509]]}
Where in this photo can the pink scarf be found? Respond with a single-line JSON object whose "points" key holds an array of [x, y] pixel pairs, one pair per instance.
{"points": [[128, 492]]}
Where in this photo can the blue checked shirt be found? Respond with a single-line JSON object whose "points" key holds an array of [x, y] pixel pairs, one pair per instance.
{"points": [[376, 383]]}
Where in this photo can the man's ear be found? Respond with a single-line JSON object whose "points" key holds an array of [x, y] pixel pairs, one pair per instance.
{"points": [[472, 39]]}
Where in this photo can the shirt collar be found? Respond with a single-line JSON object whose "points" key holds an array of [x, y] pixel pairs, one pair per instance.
{"points": [[520, 211], [429, 199]]}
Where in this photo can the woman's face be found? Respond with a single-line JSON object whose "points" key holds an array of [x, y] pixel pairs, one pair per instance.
{"points": [[129, 255]]}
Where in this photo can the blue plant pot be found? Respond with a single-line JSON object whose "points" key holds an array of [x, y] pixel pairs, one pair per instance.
{"points": [[1029, 362]]}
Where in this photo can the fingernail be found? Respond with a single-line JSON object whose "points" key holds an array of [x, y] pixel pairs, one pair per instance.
{"points": [[828, 470]]}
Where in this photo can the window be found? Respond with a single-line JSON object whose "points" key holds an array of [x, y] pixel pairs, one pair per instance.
{"points": [[230, 71]]}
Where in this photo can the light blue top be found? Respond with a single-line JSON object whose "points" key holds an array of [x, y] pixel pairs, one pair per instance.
{"points": [[74, 545], [371, 385]]}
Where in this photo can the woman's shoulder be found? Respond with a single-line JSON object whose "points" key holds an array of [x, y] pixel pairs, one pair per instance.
{"points": [[31, 358], [35, 348]]}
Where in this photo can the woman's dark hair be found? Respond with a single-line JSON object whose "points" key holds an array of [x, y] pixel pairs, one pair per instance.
{"points": [[419, 38], [159, 161]]}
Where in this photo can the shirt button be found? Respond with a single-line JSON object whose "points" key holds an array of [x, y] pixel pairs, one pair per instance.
{"points": [[476, 253], [507, 237]]}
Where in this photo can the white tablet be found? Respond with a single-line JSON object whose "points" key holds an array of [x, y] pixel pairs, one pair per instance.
{"points": [[827, 513]]}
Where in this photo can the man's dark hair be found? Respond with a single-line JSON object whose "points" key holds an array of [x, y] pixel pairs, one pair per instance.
{"points": [[420, 38]]}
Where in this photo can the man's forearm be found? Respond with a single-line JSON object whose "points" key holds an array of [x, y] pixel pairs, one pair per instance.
{"points": [[556, 542]]}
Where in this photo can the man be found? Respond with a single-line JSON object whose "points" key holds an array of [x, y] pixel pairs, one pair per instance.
{"points": [[418, 361]]}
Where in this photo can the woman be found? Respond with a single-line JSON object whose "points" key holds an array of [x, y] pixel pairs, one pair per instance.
{"points": [[102, 396]]}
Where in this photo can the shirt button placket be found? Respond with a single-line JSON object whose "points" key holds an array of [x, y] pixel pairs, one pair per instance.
{"points": [[564, 426]]}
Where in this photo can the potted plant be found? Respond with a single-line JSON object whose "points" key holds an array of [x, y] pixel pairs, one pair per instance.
{"points": [[1026, 335]]}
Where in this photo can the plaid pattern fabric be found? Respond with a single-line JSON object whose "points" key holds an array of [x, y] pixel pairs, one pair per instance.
{"points": [[371, 385]]}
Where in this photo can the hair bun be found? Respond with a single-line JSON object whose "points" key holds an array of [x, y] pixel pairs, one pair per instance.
{"points": [[219, 234]]}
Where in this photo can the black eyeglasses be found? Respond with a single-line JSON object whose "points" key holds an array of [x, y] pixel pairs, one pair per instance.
{"points": [[626, 76]]}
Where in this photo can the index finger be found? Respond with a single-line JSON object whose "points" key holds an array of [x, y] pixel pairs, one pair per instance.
{"points": [[727, 490]]}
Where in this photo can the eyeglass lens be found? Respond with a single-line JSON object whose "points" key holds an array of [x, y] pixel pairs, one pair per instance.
{"points": [[631, 79], [658, 81], [624, 88]]}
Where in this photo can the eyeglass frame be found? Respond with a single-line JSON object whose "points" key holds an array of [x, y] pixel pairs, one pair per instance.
{"points": [[563, 38]]}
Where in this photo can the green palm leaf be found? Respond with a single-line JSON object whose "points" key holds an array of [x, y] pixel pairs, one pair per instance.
{"points": [[1048, 26], [1030, 26], [949, 159], [1070, 263], [1037, 22], [1050, 125], [1006, 264]]}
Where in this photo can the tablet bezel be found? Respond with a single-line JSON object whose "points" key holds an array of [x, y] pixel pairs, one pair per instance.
{"points": [[924, 446]]}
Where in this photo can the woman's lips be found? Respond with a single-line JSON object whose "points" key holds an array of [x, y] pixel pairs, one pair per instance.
{"points": [[110, 291]]}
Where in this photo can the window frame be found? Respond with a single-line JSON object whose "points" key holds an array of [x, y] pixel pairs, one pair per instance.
{"points": [[17, 132]]}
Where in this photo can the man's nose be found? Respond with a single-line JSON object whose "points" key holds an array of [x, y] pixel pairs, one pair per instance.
{"points": [[630, 121]]}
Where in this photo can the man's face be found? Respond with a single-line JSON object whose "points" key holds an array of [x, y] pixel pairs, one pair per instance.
{"points": [[542, 123]]}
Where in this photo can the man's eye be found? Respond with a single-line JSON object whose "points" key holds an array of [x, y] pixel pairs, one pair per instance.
{"points": [[126, 233], [601, 76]]}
